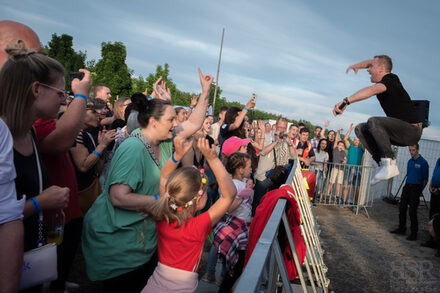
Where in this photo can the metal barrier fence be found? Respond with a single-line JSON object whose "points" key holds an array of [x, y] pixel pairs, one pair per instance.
{"points": [[266, 271], [343, 185]]}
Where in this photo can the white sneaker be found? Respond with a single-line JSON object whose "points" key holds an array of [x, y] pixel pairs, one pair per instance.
{"points": [[389, 170], [377, 167]]}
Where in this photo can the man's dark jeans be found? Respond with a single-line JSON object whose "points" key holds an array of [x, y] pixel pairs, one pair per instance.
{"points": [[410, 197], [378, 133]]}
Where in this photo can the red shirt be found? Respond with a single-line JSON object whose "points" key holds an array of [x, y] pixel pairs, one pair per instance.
{"points": [[180, 248], [60, 169]]}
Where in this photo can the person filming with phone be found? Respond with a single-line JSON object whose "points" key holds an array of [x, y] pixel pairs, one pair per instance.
{"points": [[401, 127]]}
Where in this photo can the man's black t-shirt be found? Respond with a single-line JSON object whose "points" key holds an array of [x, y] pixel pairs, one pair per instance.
{"points": [[395, 101]]}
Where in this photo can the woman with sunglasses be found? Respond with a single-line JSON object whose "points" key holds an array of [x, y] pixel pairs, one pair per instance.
{"points": [[32, 87]]}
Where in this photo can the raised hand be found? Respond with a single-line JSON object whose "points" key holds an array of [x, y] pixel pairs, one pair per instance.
{"points": [[337, 110], [250, 104], [145, 92], [327, 123], [161, 91], [205, 81], [180, 149], [207, 151], [352, 67], [82, 86], [193, 101]]}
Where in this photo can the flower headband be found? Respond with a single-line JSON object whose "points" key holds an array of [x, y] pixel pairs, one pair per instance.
{"points": [[199, 193]]}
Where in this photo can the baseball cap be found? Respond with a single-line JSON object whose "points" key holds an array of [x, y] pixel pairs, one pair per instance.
{"points": [[232, 144]]}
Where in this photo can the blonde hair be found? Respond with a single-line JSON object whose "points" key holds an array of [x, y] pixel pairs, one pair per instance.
{"points": [[119, 103], [23, 67], [184, 186]]}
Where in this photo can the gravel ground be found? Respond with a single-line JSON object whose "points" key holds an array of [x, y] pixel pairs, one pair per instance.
{"points": [[362, 256]]}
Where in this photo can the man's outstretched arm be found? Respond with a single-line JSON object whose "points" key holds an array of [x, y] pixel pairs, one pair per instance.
{"points": [[363, 94], [360, 65]]}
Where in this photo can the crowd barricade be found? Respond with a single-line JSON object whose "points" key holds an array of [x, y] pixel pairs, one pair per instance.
{"points": [[266, 271], [343, 185]]}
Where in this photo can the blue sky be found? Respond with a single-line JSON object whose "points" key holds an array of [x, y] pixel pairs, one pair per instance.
{"points": [[293, 54]]}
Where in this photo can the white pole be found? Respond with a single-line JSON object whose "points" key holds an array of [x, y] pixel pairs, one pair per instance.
{"points": [[218, 71]]}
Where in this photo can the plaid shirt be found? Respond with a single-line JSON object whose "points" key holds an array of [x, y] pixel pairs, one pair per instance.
{"points": [[230, 236], [314, 143]]}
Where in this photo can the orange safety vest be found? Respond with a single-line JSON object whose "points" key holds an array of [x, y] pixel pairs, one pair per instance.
{"points": [[306, 151]]}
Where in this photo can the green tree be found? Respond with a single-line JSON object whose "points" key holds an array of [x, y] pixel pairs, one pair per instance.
{"points": [[61, 49], [112, 70]]}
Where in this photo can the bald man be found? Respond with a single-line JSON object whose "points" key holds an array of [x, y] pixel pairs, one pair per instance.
{"points": [[10, 32]]}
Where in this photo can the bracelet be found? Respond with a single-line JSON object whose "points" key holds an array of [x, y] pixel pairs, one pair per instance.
{"points": [[246, 109], [80, 96], [174, 159], [191, 108], [97, 154], [150, 98], [346, 101], [36, 205], [156, 197]]}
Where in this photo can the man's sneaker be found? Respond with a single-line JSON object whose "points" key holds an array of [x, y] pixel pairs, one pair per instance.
{"points": [[430, 244], [389, 170], [412, 237], [209, 278], [398, 231]]}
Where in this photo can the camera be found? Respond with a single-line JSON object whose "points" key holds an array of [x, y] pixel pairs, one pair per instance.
{"points": [[254, 98], [73, 75]]}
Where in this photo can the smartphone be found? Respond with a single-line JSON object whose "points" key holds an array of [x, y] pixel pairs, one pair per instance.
{"points": [[73, 75], [254, 98]]}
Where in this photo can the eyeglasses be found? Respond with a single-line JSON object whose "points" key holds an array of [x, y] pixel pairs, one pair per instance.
{"points": [[62, 94]]}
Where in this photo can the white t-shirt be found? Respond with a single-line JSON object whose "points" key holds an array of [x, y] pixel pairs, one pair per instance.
{"points": [[244, 210], [11, 209], [320, 157], [215, 130]]}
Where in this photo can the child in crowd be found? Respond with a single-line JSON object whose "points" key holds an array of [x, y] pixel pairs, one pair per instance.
{"points": [[322, 157], [339, 158], [181, 235], [231, 235]]}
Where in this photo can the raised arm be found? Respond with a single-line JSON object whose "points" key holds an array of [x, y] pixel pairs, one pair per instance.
{"points": [[326, 124], [180, 149], [195, 121], [357, 66], [67, 127], [363, 94], [224, 180], [192, 105], [337, 138], [347, 135], [239, 119]]}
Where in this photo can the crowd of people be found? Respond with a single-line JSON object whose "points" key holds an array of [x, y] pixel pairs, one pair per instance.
{"points": [[139, 184]]}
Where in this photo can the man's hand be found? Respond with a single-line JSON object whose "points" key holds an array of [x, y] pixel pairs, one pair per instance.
{"points": [[352, 67], [337, 110], [82, 86], [54, 198], [205, 81]]}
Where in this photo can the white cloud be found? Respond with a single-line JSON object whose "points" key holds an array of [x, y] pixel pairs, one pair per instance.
{"points": [[31, 17]]}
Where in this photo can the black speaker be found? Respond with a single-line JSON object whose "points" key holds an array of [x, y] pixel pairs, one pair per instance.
{"points": [[422, 110]]}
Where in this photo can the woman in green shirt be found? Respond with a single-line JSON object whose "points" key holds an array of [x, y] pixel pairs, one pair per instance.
{"points": [[118, 243]]}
